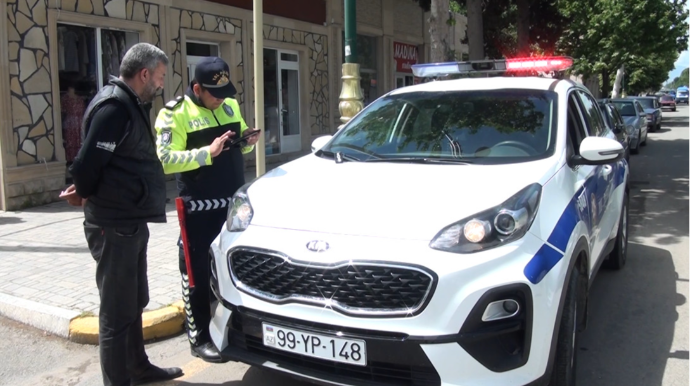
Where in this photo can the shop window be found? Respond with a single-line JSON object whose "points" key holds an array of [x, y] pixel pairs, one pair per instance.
{"points": [[86, 58], [367, 58]]}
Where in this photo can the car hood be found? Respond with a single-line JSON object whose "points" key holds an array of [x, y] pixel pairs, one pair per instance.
{"points": [[390, 200]]}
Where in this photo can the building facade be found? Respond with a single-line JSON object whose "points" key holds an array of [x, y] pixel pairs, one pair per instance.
{"points": [[58, 53]]}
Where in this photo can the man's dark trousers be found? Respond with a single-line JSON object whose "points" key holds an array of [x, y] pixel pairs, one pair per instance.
{"points": [[202, 228], [120, 254]]}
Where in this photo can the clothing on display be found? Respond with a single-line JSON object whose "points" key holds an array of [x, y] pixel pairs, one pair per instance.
{"points": [[114, 48], [76, 50], [73, 107]]}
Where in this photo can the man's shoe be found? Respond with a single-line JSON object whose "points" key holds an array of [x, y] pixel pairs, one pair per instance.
{"points": [[207, 352], [156, 374]]}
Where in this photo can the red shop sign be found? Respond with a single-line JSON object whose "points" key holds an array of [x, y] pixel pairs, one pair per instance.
{"points": [[405, 56]]}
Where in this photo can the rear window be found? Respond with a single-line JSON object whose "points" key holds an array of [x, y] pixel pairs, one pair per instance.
{"points": [[647, 103], [627, 109], [666, 98], [501, 126]]}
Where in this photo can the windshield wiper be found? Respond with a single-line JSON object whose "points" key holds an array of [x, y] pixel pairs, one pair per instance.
{"points": [[339, 157], [417, 160]]}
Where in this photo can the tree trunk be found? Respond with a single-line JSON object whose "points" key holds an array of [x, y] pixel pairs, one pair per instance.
{"points": [[523, 48], [617, 85], [475, 29], [439, 31], [605, 83]]}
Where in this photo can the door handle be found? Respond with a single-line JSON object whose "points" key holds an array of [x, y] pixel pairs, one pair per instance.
{"points": [[606, 170]]}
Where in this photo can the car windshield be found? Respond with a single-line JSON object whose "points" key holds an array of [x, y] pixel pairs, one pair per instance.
{"points": [[627, 109], [646, 103], [474, 126]]}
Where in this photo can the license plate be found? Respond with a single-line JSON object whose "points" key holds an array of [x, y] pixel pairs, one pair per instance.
{"points": [[351, 351]]}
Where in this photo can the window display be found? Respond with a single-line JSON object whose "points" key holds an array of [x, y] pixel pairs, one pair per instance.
{"points": [[80, 75]]}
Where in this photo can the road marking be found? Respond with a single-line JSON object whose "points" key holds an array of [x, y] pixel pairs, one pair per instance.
{"points": [[192, 368]]}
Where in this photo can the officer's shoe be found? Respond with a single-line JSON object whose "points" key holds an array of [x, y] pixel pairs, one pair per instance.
{"points": [[156, 374], [207, 352]]}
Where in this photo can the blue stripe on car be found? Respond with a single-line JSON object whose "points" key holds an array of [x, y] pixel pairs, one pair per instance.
{"points": [[547, 257]]}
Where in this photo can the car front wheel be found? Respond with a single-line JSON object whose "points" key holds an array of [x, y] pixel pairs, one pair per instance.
{"points": [[566, 349], [616, 260]]}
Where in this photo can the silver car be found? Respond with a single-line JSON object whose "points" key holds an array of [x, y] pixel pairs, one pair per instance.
{"points": [[635, 119]]}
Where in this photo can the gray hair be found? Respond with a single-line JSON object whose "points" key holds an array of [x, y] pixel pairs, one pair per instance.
{"points": [[141, 56]]}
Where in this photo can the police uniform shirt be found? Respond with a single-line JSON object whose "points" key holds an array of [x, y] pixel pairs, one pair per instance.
{"points": [[185, 131]]}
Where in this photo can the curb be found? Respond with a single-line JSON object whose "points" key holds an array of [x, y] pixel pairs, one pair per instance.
{"points": [[47, 318], [159, 323], [71, 325]]}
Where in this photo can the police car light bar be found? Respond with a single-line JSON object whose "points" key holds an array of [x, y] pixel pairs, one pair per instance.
{"points": [[543, 64]]}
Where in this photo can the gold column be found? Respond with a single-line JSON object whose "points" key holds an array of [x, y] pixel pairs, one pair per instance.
{"points": [[351, 94]]}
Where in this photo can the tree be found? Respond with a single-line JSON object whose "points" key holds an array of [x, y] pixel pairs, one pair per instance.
{"points": [[442, 15], [681, 80], [603, 35]]}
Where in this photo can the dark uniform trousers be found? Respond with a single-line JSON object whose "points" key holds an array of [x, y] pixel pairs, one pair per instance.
{"points": [[202, 228], [120, 254]]}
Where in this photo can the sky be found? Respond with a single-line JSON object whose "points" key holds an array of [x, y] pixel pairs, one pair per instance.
{"points": [[683, 60], [682, 63]]}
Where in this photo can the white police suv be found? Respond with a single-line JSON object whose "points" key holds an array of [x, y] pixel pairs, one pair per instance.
{"points": [[446, 235]]}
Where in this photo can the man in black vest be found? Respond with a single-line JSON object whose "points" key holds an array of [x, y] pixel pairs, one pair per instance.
{"points": [[120, 182]]}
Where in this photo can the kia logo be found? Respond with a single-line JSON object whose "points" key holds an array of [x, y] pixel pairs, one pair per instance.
{"points": [[317, 246]]}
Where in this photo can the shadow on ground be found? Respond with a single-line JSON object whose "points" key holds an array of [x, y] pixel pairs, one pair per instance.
{"points": [[657, 194], [632, 319]]}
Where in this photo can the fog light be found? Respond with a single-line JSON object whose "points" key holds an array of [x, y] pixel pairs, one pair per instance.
{"points": [[501, 309]]}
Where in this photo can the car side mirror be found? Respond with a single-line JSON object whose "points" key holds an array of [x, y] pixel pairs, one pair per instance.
{"points": [[320, 142], [598, 151]]}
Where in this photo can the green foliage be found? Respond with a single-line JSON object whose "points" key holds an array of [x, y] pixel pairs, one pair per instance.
{"points": [[645, 36], [681, 80], [601, 35]]}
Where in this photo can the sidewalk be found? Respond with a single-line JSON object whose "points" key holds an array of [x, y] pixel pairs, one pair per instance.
{"points": [[48, 274]]}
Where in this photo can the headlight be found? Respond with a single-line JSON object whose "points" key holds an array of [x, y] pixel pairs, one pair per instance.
{"points": [[488, 229], [240, 212]]}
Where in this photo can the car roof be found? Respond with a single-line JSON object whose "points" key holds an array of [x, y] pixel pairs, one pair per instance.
{"points": [[487, 83]]}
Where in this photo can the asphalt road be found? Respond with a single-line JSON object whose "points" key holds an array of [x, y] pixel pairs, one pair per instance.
{"points": [[638, 320]]}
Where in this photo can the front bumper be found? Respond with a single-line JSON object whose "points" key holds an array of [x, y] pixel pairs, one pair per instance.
{"points": [[446, 339]]}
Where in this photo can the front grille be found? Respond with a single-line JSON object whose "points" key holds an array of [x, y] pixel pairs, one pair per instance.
{"points": [[390, 362], [357, 288]]}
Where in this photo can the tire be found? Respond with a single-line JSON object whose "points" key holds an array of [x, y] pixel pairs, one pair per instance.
{"points": [[566, 350], [617, 258], [636, 150], [674, 109], [658, 127], [646, 134]]}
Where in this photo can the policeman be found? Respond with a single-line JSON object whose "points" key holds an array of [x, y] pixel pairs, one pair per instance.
{"points": [[194, 135]]}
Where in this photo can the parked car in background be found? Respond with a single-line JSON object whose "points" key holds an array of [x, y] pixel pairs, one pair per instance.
{"points": [[633, 115], [616, 123], [653, 110], [667, 102], [682, 95]]}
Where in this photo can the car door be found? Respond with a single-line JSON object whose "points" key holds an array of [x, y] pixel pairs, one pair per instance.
{"points": [[582, 179], [604, 216], [644, 123]]}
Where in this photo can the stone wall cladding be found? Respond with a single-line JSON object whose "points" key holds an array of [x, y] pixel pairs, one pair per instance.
{"points": [[204, 22], [318, 71], [408, 18], [30, 75]]}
